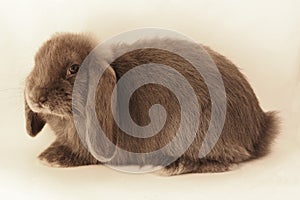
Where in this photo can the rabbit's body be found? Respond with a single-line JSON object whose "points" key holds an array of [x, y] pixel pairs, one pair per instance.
{"points": [[247, 132]]}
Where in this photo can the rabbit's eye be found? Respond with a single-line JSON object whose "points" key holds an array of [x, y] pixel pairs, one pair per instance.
{"points": [[73, 69]]}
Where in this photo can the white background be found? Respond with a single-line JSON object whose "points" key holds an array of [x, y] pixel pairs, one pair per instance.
{"points": [[261, 37]]}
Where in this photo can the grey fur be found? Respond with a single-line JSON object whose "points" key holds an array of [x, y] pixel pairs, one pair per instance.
{"points": [[247, 133]]}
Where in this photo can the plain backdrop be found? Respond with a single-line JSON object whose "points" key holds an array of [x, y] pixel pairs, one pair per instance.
{"points": [[261, 37]]}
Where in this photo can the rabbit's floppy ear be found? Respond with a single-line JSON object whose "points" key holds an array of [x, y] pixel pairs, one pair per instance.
{"points": [[104, 106], [34, 122]]}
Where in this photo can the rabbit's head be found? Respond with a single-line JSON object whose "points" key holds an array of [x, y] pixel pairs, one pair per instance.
{"points": [[48, 89]]}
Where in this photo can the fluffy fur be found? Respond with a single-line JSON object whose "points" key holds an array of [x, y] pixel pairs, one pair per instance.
{"points": [[248, 131]]}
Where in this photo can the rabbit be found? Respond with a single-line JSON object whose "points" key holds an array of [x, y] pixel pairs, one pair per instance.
{"points": [[247, 134]]}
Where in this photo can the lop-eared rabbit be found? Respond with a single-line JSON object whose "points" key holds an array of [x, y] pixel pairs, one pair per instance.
{"points": [[247, 133]]}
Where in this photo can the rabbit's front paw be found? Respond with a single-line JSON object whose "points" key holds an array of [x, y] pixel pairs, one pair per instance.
{"points": [[58, 155]]}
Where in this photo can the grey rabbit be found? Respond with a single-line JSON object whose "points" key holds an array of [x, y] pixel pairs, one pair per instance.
{"points": [[247, 133]]}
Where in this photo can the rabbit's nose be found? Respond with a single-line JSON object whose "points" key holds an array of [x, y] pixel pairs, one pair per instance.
{"points": [[38, 95], [42, 99]]}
